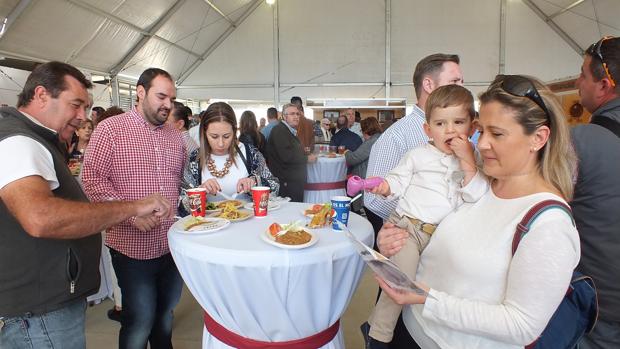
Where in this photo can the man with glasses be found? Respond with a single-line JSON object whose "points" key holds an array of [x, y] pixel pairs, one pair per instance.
{"points": [[326, 133], [597, 190], [287, 159]]}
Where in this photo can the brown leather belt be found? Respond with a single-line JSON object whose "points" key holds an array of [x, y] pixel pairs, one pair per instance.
{"points": [[419, 225]]}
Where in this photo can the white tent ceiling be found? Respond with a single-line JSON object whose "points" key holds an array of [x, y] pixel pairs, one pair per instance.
{"points": [[321, 48]]}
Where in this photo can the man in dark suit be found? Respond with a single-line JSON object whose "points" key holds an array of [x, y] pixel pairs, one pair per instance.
{"points": [[285, 152], [344, 136]]}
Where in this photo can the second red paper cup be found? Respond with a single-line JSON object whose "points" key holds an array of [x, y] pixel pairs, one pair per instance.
{"points": [[260, 197]]}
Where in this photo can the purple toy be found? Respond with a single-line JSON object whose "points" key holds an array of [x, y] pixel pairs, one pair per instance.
{"points": [[356, 183]]}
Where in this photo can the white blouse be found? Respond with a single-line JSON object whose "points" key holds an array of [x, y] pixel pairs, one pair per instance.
{"points": [[228, 183], [483, 297]]}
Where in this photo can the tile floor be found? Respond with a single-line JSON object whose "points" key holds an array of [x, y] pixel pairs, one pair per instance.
{"points": [[187, 334]]}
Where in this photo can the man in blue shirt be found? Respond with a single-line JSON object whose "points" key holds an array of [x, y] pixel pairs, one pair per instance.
{"points": [[272, 120]]}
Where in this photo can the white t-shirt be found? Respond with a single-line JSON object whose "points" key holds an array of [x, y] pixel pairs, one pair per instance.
{"points": [[228, 183], [22, 156], [483, 297]]}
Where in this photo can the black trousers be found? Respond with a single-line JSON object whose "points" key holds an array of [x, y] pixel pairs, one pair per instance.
{"points": [[294, 190]]}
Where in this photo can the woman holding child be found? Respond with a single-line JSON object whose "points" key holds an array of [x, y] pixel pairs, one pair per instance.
{"points": [[479, 294]]}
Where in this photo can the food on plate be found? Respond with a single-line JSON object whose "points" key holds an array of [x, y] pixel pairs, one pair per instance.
{"points": [[198, 223], [223, 204], [289, 234], [274, 229], [230, 211], [313, 210], [298, 237], [211, 206], [323, 217]]}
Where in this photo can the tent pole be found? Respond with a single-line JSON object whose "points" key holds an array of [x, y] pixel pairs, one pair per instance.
{"points": [[276, 56], [388, 49], [502, 37]]}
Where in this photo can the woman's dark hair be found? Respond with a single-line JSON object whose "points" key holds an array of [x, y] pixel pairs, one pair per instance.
{"points": [[248, 125], [50, 75], [113, 110], [370, 126], [217, 112], [179, 112]]}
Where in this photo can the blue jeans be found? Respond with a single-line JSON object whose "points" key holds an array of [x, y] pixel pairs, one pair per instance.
{"points": [[151, 289], [61, 328]]}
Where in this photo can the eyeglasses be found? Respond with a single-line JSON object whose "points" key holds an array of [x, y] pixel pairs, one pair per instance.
{"points": [[521, 86], [595, 48]]}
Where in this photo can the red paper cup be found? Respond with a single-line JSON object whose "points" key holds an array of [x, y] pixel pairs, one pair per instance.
{"points": [[260, 197], [197, 201]]}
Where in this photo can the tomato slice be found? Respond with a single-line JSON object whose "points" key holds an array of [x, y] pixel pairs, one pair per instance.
{"points": [[274, 229]]}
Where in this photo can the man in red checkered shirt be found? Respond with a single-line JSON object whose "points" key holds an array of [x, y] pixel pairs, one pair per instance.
{"points": [[130, 156]]}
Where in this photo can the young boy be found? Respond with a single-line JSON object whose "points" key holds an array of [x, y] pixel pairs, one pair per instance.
{"points": [[431, 181]]}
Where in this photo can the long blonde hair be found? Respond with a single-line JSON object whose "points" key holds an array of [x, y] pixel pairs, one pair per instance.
{"points": [[557, 161]]}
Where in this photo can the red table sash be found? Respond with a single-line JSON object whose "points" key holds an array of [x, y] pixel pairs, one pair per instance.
{"points": [[236, 341], [325, 186]]}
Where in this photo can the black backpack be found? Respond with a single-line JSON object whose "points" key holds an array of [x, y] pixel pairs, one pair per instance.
{"points": [[577, 313]]}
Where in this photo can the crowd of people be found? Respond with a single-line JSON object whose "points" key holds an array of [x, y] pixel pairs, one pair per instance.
{"points": [[445, 212]]}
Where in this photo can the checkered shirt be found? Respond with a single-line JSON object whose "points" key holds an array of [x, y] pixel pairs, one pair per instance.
{"points": [[128, 159], [386, 153]]}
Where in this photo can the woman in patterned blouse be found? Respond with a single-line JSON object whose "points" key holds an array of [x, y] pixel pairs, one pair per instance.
{"points": [[223, 164]]}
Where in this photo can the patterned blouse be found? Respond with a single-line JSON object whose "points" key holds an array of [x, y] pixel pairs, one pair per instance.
{"points": [[258, 169]]}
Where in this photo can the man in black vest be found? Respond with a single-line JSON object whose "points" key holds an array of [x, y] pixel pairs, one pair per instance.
{"points": [[596, 202], [50, 241]]}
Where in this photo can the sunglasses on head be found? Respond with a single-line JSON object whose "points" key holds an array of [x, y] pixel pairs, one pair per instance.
{"points": [[521, 86], [595, 49]]}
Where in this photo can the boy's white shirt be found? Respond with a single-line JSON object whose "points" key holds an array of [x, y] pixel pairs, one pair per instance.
{"points": [[428, 183]]}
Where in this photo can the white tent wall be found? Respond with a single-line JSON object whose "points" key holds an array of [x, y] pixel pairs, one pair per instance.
{"points": [[326, 48], [11, 83]]}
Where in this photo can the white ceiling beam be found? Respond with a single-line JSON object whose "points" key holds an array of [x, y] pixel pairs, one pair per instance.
{"points": [[218, 42], [230, 21], [567, 8], [132, 26], [574, 45], [145, 39], [12, 17], [16, 55], [276, 54]]}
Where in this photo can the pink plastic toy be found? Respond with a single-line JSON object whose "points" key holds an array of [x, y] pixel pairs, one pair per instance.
{"points": [[356, 183]]}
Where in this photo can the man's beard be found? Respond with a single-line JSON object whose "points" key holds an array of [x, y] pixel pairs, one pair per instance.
{"points": [[154, 116]]}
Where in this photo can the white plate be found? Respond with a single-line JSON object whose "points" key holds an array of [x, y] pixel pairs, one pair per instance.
{"points": [[266, 236], [215, 225], [250, 214], [272, 206]]}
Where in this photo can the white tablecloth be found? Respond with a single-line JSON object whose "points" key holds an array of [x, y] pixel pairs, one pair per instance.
{"points": [[325, 170], [264, 292]]}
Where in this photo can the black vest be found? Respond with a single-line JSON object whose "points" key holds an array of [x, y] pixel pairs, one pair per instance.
{"points": [[39, 275]]}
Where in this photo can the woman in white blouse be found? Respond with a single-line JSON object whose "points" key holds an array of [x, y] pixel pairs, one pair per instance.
{"points": [[480, 295], [223, 164]]}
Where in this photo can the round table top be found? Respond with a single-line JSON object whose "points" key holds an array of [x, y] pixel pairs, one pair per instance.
{"points": [[241, 243]]}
